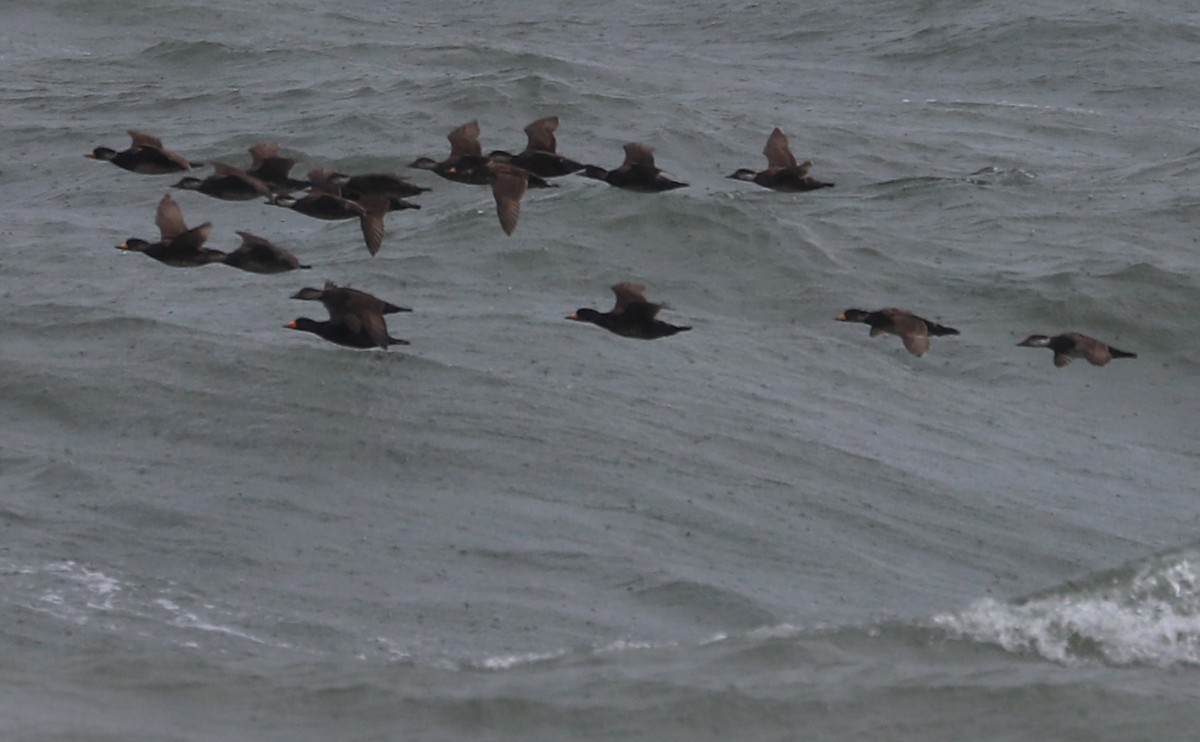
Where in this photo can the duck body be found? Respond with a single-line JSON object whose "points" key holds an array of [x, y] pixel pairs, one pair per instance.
{"points": [[378, 184], [541, 164], [343, 333], [273, 169], [540, 155], [355, 317], [324, 202], [470, 170], [146, 155], [782, 173], [466, 163], [227, 183], [786, 180], [178, 245], [638, 173], [342, 298], [632, 317], [258, 255], [1071, 345], [178, 253], [914, 331]]}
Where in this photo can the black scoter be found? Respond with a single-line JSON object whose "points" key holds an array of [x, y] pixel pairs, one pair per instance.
{"points": [[258, 255], [540, 155], [632, 317], [146, 155], [637, 173], [177, 245], [355, 317], [782, 173]]}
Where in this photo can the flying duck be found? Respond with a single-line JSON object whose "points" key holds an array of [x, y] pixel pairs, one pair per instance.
{"points": [[782, 173], [323, 201], [1071, 345], [913, 330], [540, 155], [637, 173], [177, 246], [466, 163], [377, 184], [270, 167], [227, 183], [355, 317], [258, 255], [632, 317], [146, 155]]}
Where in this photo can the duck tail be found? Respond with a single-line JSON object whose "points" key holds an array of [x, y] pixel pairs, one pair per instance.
{"points": [[938, 330], [594, 172], [1121, 353]]}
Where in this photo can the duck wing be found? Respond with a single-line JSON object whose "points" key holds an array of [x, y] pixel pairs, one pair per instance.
{"points": [[638, 155], [169, 219], [777, 151], [541, 134], [508, 186], [464, 141]]}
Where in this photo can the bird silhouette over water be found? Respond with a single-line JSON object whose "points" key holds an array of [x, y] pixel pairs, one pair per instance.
{"points": [[355, 317], [1071, 345], [324, 201], [782, 173], [540, 155], [637, 173], [632, 317], [227, 183], [913, 330], [146, 155], [178, 245], [258, 255]]}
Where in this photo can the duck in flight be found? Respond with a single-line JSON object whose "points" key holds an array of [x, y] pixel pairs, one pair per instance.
{"points": [[913, 330], [146, 155], [178, 245], [782, 173], [1071, 345], [632, 317], [637, 173]]}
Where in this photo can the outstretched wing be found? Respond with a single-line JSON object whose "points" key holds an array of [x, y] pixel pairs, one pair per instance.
{"points": [[541, 134], [779, 154], [464, 141]]}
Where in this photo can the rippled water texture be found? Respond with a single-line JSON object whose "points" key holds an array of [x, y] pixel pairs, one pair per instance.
{"points": [[520, 527]]}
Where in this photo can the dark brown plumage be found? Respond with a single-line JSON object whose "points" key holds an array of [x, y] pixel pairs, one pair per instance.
{"points": [[258, 255], [178, 245], [146, 155], [355, 317], [466, 163], [1071, 345], [540, 155], [386, 185], [913, 330], [268, 165], [227, 183], [637, 173], [509, 183], [782, 173], [324, 202], [632, 317]]}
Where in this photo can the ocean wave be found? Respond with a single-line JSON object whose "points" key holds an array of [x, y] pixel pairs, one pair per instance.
{"points": [[1145, 613]]}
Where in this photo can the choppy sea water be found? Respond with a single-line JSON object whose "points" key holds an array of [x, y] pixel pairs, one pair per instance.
{"points": [[770, 527]]}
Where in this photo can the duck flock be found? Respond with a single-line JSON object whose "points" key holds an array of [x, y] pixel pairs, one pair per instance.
{"points": [[357, 319]]}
